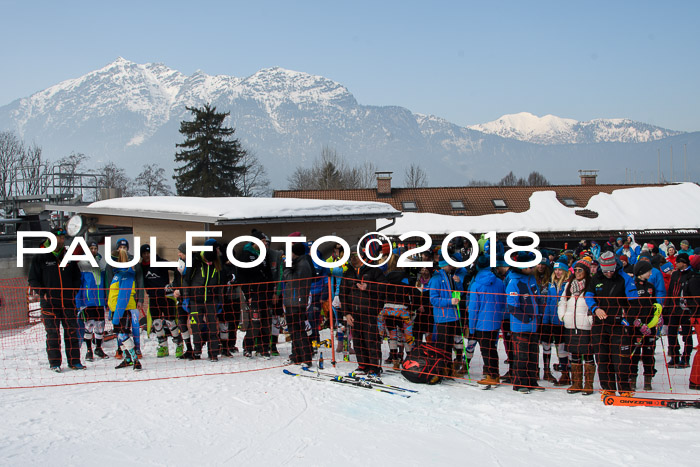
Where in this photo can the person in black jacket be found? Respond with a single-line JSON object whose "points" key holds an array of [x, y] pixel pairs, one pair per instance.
{"points": [[203, 288], [183, 304], [361, 301], [642, 316], [57, 287], [156, 280], [607, 298], [692, 292], [256, 284], [678, 315], [297, 282]]}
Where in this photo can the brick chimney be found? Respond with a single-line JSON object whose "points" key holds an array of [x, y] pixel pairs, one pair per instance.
{"points": [[383, 184], [588, 177]]}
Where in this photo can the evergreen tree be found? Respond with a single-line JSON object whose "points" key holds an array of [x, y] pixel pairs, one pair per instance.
{"points": [[210, 156]]}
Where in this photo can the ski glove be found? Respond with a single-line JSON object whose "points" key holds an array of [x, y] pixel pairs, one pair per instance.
{"points": [[336, 302]]}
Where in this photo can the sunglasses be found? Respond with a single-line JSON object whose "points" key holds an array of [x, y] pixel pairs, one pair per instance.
{"points": [[579, 270]]}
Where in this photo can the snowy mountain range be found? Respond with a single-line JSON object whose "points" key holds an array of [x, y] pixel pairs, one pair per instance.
{"points": [[130, 113]]}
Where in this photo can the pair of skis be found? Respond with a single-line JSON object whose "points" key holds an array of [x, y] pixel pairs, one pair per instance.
{"points": [[651, 402], [354, 382]]}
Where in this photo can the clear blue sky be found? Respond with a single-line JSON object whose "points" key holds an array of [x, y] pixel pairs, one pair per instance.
{"points": [[468, 62]]}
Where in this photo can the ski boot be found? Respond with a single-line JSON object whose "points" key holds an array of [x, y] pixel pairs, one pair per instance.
{"points": [[163, 351], [125, 362], [77, 366], [179, 351], [89, 355], [100, 353], [56, 369]]}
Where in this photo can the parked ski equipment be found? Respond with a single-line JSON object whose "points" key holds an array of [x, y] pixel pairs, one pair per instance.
{"points": [[346, 381], [651, 402]]}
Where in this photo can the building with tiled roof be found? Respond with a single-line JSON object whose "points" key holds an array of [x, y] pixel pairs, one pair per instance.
{"points": [[461, 200]]}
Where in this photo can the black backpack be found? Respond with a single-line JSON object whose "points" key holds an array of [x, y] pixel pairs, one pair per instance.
{"points": [[425, 364]]}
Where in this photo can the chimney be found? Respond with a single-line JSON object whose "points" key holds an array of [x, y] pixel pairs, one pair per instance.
{"points": [[383, 184], [588, 177]]}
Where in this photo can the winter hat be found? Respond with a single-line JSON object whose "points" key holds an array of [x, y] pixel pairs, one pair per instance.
{"points": [[642, 267], [695, 262], [685, 243], [182, 248], [92, 243], [441, 262], [524, 256], [683, 258], [501, 262], [145, 248], [624, 259], [666, 268], [298, 249], [582, 263], [560, 265], [386, 248], [211, 242], [482, 262], [645, 257], [611, 240], [257, 234], [545, 261], [697, 251], [607, 262], [123, 242]]}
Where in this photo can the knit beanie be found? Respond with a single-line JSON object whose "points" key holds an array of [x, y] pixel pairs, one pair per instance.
{"points": [[607, 262]]}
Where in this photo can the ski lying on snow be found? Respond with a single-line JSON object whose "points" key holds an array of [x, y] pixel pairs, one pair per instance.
{"points": [[346, 381], [373, 380], [464, 382], [651, 402]]}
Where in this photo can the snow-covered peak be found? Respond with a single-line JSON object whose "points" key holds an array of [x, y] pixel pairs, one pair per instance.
{"points": [[551, 129], [275, 85], [525, 126]]}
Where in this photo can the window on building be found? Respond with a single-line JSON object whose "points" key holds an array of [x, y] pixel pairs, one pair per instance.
{"points": [[457, 204], [409, 206], [499, 203], [569, 202]]}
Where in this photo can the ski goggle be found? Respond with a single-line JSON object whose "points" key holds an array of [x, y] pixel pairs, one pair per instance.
{"points": [[59, 232]]}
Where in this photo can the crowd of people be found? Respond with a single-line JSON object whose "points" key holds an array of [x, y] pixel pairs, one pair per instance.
{"points": [[599, 308]]}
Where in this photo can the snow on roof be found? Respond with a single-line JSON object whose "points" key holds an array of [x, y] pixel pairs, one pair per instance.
{"points": [[228, 210], [648, 208]]}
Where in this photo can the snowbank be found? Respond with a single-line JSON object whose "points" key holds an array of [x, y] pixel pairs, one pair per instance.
{"points": [[648, 208], [243, 208]]}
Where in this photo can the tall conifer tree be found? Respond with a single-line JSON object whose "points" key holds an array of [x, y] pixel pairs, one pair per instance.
{"points": [[210, 156]]}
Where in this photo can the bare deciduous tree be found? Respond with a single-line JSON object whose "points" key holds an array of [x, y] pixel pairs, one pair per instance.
{"points": [[11, 151], [415, 176], [331, 172], [253, 180], [537, 179], [152, 182], [115, 177]]}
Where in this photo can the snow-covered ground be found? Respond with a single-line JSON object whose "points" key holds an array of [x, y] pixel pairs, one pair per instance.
{"points": [[247, 412]]}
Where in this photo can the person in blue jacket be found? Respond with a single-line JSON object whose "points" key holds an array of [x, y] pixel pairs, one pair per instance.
{"points": [[656, 279], [522, 295], [487, 304], [91, 302], [445, 293], [122, 302]]}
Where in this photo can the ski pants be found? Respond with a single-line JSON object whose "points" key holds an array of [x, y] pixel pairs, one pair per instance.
{"points": [[366, 337], [679, 324], [53, 318], [612, 348], [203, 321], [526, 352], [488, 343], [301, 346]]}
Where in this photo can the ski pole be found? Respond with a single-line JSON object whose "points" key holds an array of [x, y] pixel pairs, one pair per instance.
{"points": [[668, 374]]}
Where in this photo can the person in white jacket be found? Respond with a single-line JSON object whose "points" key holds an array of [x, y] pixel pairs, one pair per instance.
{"points": [[578, 320]]}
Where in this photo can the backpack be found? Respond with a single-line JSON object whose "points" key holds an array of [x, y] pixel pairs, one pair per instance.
{"points": [[425, 364]]}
